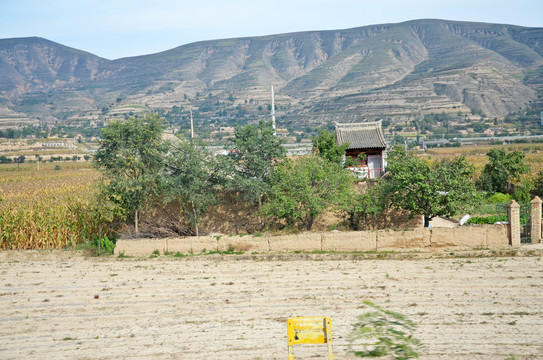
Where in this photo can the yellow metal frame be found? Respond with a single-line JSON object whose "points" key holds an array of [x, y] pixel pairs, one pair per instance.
{"points": [[309, 330]]}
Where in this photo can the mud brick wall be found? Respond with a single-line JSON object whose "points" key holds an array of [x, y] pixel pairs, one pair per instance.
{"points": [[468, 237]]}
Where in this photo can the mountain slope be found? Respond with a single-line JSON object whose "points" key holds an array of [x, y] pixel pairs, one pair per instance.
{"points": [[390, 70], [32, 64]]}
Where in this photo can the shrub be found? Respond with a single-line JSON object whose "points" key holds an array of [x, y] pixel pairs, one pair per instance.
{"points": [[538, 184], [107, 245], [522, 193], [305, 187], [383, 332], [492, 219], [499, 198]]}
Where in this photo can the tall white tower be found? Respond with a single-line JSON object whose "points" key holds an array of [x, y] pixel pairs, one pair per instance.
{"points": [[191, 126], [273, 113]]}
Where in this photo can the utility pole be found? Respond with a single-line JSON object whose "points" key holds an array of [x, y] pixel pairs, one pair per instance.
{"points": [[191, 126], [273, 113]]}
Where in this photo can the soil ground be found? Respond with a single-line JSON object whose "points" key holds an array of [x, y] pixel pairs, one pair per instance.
{"points": [[61, 305]]}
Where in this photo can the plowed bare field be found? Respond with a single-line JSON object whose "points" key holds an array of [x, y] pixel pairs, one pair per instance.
{"points": [[62, 306]]}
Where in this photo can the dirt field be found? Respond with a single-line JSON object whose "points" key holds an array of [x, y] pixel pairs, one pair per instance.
{"points": [[230, 308]]}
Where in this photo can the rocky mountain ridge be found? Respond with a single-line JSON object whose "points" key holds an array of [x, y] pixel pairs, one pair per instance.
{"points": [[394, 71]]}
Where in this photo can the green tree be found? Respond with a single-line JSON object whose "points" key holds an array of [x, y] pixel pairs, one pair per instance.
{"points": [[523, 191], [370, 203], [443, 190], [130, 157], [305, 187], [538, 184], [479, 127], [254, 150], [19, 160], [4, 159], [503, 170], [324, 145], [188, 178], [104, 211]]}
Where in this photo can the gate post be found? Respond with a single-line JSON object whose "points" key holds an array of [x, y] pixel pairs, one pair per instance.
{"points": [[514, 224], [536, 220]]}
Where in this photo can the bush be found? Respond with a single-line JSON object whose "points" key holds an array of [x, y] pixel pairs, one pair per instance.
{"points": [[522, 193], [492, 219], [106, 245], [538, 184], [349, 161], [499, 198], [503, 170], [383, 332], [305, 187]]}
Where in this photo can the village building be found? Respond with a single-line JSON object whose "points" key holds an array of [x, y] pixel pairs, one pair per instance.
{"points": [[367, 147]]}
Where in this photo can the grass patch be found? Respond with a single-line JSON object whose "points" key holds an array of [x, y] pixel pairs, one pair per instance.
{"points": [[231, 251]]}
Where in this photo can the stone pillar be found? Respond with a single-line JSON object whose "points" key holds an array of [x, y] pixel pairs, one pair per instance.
{"points": [[536, 220], [514, 224]]}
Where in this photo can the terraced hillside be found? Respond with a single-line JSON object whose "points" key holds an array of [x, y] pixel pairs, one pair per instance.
{"points": [[393, 70]]}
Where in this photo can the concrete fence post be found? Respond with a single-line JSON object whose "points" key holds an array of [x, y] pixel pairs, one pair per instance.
{"points": [[514, 224], [536, 220]]}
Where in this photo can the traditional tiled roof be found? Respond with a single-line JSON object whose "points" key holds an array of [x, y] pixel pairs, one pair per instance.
{"points": [[361, 135]]}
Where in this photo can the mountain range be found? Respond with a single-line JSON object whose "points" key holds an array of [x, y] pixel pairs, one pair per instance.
{"points": [[394, 71]]}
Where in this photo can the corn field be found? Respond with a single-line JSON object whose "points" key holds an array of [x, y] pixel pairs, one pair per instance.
{"points": [[48, 208], [476, 155]]}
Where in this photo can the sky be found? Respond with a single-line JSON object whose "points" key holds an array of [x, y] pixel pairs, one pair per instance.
{"points": [[120, 28]]}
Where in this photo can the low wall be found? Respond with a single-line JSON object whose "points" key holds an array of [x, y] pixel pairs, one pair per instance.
{"points": [[488, 236]]}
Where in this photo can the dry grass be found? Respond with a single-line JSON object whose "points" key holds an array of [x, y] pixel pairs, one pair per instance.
{"points": [[476, 155]]}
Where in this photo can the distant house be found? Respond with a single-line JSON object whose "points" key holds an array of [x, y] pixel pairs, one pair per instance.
{"points": [[364, 138]]}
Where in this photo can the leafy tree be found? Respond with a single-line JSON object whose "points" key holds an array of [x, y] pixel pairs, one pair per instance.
{"points": [[19, 160], [370, 203], [479, 127], [104, 211], [130, 157], [538, 184], [305, 187], [324, 145], [522, 192], [504, 169], [188, 178], [254, 149], [442, 190]]}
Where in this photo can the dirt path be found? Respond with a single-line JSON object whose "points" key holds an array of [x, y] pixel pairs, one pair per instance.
{"points": [[206, 308]]}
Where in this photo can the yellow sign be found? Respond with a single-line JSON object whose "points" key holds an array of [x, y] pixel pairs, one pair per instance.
{"points": [[309, 330]]}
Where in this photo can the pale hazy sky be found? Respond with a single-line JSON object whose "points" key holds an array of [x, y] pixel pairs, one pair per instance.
{"points": [[120, 28]]}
